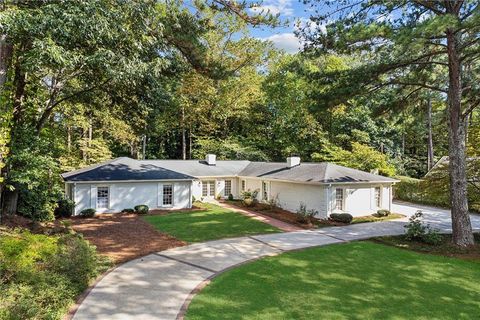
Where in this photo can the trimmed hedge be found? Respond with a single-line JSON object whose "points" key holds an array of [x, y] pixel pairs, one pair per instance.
{"points": [[87, 213], [429, 192], [341, 217], [128, 210], [382, 213], [141, 209]]}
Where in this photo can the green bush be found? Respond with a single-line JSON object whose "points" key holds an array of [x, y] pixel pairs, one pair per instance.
{"points": [[64, 208], [341, 217], [230, 197], [87, 213], [416, 230], [128, 210], [305, 216], [248, 202], [141, 209], [429, 191], [382, 213], [41, 276]]}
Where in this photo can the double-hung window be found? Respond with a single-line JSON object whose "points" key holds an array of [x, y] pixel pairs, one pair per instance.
{"points": [[378, 197], [167, 195], [244, 185], [227, 191], [339, 199], [102, 197]]}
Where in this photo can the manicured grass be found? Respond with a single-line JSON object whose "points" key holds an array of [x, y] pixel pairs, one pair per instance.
{"points": [[212, 223], [371, 218], [359, 280]]}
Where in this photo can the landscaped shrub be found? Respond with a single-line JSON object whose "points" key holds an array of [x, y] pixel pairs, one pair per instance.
{"points": [[87, 213], [76, 259], [141, 209], [64, 208], [248, 202], [41, 276], [416, 230], [341, 217], [128, 210], [249, 198], [304, 215], [230, 197], [382, 213]]}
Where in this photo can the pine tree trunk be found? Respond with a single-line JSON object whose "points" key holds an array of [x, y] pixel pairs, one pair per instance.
{"points": [[430, 160], [461, 225], [184, 137]]}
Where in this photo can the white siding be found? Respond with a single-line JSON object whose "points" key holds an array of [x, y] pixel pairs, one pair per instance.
{"points": [[290, 195], [358, 201], [82, 197], [129, 194]]}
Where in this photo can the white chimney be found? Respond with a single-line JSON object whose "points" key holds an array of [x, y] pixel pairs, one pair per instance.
{"points": [[211, 159], [293, 161]]}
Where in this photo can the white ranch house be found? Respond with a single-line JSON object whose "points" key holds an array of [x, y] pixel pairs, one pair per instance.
{"points": [[173, 184]]}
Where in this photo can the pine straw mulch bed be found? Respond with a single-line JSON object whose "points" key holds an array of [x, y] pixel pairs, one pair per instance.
{"points": [[123, 237], [274, 212], [119, 236]]}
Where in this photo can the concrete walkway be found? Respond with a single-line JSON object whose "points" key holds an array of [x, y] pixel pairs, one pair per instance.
{"points": [[157, 286]]}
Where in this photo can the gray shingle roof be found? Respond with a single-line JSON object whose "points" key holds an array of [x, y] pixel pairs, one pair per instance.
{"points": [[322, 172], [129, 169], [123, 169], [199, 168]]}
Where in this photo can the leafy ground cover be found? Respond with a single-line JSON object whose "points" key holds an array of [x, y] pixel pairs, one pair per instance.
{"points": [[213, 222], [360, 280], [42, 275]]}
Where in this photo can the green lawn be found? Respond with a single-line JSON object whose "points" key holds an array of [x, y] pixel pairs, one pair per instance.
{"points": [[359, 280], [212, 223]]}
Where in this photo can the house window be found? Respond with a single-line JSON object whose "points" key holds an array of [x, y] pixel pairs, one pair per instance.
{"points": [[244, 185], [264, 191], [212, 188], [204, 188], [339, 199], [228, 188], [378, 197], [167, 194], [102, 197]]}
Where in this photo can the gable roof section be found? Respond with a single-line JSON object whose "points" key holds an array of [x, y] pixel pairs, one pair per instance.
{"points": [[121, 169], [322, 172]]}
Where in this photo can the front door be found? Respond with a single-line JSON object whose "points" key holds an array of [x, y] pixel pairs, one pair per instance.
{"points": [[208, 189]]}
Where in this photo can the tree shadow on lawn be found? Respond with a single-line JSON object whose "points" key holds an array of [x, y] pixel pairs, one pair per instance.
{"points": [[359, 280]]}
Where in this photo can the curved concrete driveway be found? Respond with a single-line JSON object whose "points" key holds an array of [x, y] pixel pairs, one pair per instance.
{"points": [[156, 286]]}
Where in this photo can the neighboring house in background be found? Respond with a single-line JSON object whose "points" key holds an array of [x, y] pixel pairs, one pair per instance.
{"points": [[171, 184]]}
